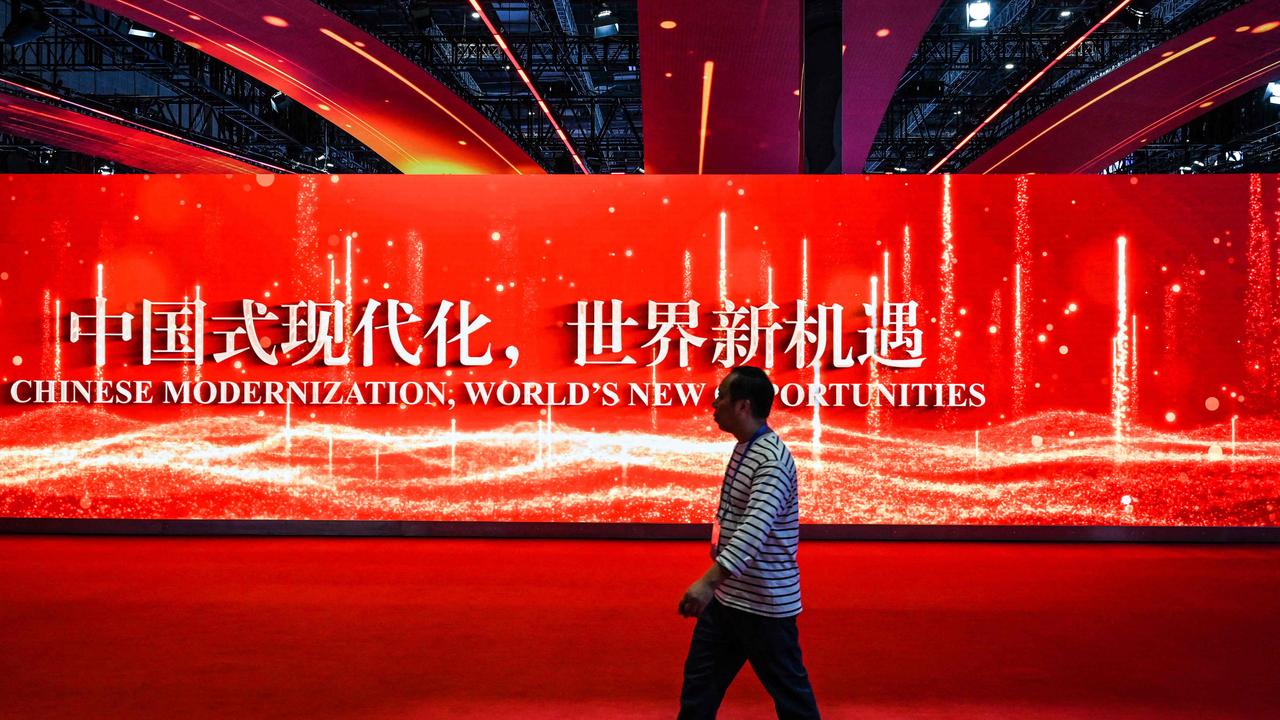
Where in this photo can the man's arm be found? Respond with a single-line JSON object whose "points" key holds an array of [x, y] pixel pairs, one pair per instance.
{"points": [[699, 594]]}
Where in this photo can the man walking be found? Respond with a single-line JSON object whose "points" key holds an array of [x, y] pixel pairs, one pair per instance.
{"points": [[747, 601]]}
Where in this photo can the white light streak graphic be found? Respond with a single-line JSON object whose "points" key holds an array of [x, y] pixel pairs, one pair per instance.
{"points": [[769, 294], [1023, 260], [906, 262], [946, 310], [417, 273], [306, 253], [1259, 296], [724, 261], [1133, 366], [886, 276], [1018, 391], [57, 340], [196, 366], [873, 368], [688, 276], [1120, 347], [288, 427], [100, 321]]}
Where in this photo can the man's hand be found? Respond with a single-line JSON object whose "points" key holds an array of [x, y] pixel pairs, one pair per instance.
{"points": [[700, 593], [696, 598]]}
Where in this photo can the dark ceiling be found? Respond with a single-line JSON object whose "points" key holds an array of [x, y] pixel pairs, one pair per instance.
{"points": [[727, 86]]}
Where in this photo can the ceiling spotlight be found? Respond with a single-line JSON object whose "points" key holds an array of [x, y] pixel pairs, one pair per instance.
{"points": [[475, 16], [605, 24], [1065, 13], [1273, 93], [1008, 66], [141, 31], [1138, 14], [26, 24], [279, 101], [978, 14], [106, 169]]}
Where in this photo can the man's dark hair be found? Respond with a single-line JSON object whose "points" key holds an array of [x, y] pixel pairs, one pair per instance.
{"points": [[751, 383]]}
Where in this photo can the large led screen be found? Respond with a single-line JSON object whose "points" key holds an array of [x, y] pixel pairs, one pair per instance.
{"points": [[1016, 350]]}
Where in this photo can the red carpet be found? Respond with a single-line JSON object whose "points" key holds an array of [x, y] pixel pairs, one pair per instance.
{"points": [[396, 628]]}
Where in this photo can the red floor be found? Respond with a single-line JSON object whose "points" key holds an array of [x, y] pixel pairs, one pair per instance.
{"points": [[395, 628]]}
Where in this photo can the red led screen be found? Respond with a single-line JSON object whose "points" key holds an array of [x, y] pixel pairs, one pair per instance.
{"points": [[997, 350]]}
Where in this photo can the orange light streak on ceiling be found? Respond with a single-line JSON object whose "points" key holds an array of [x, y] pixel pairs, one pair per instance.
{"points": [[71, 130], [1101, 97], [542, 105], [1034, 79], [138, 126], [347, 76], [707, 70], [1204, 101], [408, 83]]}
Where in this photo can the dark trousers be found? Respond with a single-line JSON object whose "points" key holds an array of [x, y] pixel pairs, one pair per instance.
{"points": [[723, 640]]}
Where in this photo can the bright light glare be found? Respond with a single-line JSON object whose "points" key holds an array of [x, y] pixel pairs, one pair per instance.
{"points": [[979, 13]]}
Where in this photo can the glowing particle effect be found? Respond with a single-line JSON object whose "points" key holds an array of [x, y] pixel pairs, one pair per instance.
{"points": [[1120, 345], [495, 236], [667, 24], [1211, 404], [1062, 350], [17, 359], [906, 262], [882, 33], [724, 261], [275, 21], [1258, 293], [947, 355], [1170, 416], [1037, 441]]}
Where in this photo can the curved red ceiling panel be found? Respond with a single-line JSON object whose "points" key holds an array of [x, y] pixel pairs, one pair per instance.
{"points": [[345, 75], [880, 37], [1147, 97], [70, 130], [720, 86]]}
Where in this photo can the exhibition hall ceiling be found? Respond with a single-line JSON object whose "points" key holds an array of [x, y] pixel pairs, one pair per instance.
{"points": [[662, 86]]}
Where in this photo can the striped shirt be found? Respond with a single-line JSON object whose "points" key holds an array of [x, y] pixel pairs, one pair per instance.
{"points": [[759, 519]]}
